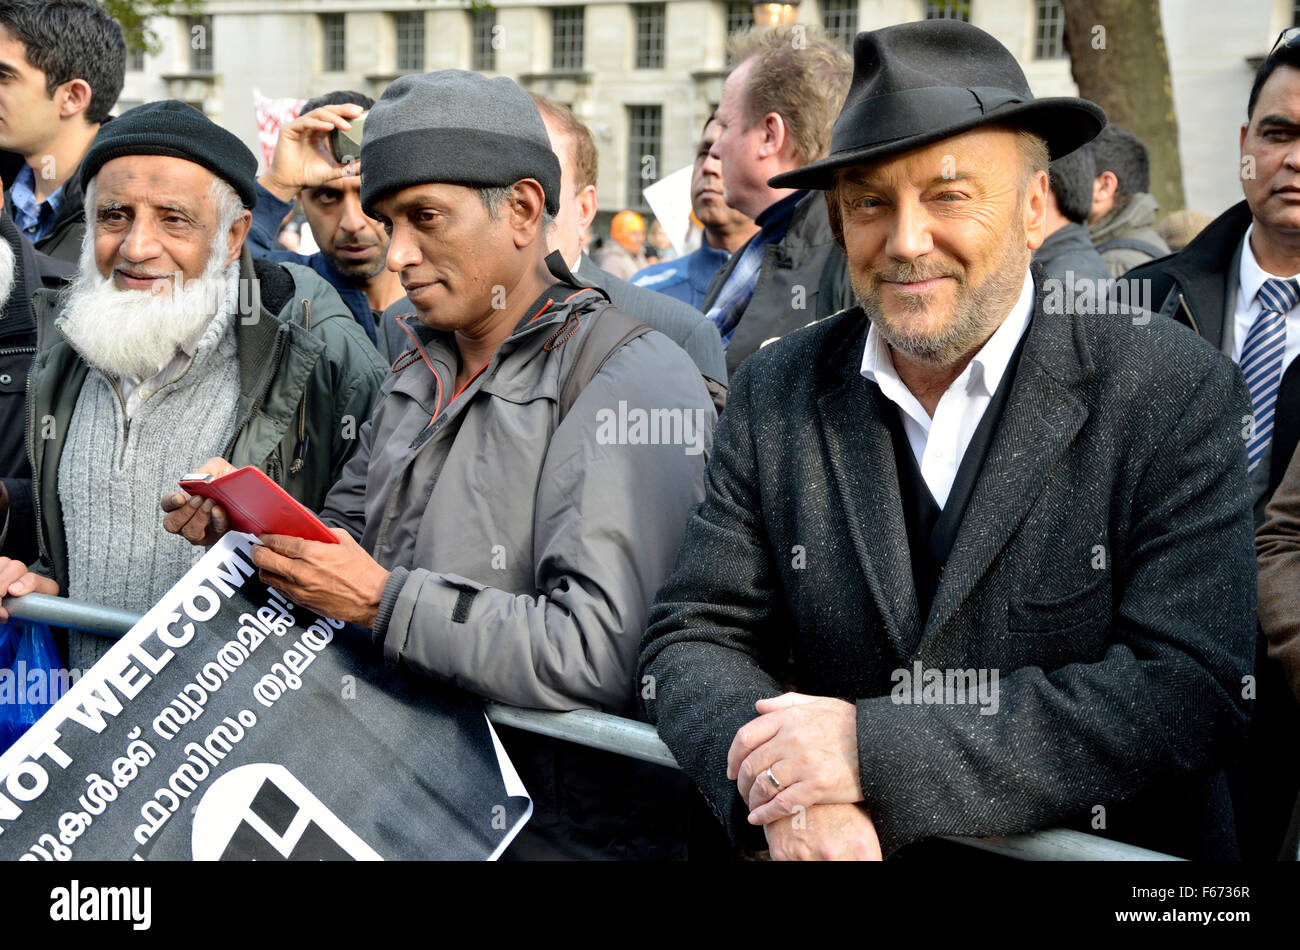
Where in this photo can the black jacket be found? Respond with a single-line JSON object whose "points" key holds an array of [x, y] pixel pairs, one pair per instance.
{"points": [[1192, 287], [803, 278], [17, 349], [63, 243], [1105, 567]]}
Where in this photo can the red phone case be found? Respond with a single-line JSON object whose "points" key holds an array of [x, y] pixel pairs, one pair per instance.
{"points": [[260, 506]]}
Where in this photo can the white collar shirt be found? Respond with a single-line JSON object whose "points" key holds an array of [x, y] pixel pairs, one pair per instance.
{"points": [[940, 443]]}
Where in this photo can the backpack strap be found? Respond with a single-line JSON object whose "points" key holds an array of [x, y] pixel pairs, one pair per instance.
{"points": [[1130, 244], [611, 328]]}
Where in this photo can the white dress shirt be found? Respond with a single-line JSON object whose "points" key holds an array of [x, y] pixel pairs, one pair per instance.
{"points": [[1250, 278], [940, 443]]}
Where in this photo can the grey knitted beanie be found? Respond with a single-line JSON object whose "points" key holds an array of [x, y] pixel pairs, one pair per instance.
{"points": [[456, 127]]}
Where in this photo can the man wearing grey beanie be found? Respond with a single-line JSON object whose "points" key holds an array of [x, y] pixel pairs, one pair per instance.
{"points": [[523, 485]]}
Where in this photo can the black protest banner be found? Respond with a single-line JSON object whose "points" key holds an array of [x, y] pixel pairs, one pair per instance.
{"points": [[231, 724]]}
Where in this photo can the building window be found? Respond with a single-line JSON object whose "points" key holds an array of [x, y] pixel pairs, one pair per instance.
{"points": [[135, 63], [410, 41], [1049, 29], [947, 10], [483, 25], [566, 37], [645, 129], [740, 17], [199, 32], [333, 44], [649, 19], [840, 20]]}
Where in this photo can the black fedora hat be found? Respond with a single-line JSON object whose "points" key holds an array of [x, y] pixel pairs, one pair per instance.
{"points": [[917, 83]]}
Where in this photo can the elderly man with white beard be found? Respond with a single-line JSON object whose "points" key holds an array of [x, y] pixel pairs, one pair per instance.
{"points": [[172, 344]]}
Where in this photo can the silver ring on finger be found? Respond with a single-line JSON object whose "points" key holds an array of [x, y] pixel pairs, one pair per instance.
{"points": [[773, 779]]}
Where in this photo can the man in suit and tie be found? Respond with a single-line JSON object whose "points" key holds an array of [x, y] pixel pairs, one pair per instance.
{"points": [[1002, 553], [1237, 285]]}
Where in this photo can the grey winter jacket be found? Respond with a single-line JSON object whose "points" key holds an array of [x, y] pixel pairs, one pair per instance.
{"points": [[1133, 224], [525, 548], [1068, 258]]}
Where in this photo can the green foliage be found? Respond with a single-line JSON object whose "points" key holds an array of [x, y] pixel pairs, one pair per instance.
{"points": [[133, 16]]}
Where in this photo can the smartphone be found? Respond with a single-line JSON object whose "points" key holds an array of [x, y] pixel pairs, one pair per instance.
{"points": [[345, 145]]}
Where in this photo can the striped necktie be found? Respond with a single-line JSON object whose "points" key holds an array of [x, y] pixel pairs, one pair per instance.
{"points": [[1261, 360]]}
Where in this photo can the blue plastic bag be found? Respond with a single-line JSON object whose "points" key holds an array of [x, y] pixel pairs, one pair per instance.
{"points": [[30, 680]]}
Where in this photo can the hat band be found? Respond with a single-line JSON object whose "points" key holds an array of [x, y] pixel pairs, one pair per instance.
{"points": [[876, 120]]}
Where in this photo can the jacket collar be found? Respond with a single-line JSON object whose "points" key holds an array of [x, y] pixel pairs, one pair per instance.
{"points": [[1042, 416], [1072, 237], [1200, 271], [810, 224]]}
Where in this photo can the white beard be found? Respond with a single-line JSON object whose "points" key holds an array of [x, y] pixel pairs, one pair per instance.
{"points": [[7, 268], [132, 334]]}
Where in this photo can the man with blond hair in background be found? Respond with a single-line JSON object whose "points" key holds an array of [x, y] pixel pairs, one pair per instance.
{"points": [[778, 104]]}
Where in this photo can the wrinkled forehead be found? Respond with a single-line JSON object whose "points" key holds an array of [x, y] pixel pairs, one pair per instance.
{"points": [[154, 181]]}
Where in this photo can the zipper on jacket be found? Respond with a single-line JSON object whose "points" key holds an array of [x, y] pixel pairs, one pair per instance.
{"points": [[42, 544], [18, 351], [304, 444], [261, 397], [1188, 310]]}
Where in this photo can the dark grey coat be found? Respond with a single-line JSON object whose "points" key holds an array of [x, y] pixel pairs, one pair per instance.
{"points": [[1104, 567]]}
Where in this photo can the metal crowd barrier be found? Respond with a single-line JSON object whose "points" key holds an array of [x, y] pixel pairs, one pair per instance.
{"points": [[628, 737]]}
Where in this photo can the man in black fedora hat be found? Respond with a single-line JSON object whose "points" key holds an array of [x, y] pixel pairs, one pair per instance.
{"points": [[1000, 552]]}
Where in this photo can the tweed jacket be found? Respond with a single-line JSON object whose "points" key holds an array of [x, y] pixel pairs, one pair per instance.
{"points": [[1104, 568]]}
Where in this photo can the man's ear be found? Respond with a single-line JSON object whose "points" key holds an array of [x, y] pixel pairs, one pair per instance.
{"points": [[585, 201], [1036, 210], [1104, 187], [776, 136], [527, 203], [235, 237], [73, 98]]}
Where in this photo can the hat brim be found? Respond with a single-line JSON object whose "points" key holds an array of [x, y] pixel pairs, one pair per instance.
{"points": [[1064, 122]]}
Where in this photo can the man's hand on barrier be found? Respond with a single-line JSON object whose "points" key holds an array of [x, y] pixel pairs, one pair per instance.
{"points": [[200, 521], [16, 580], [337, 580], [302, 156], [824, 833], [800, 751]]}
